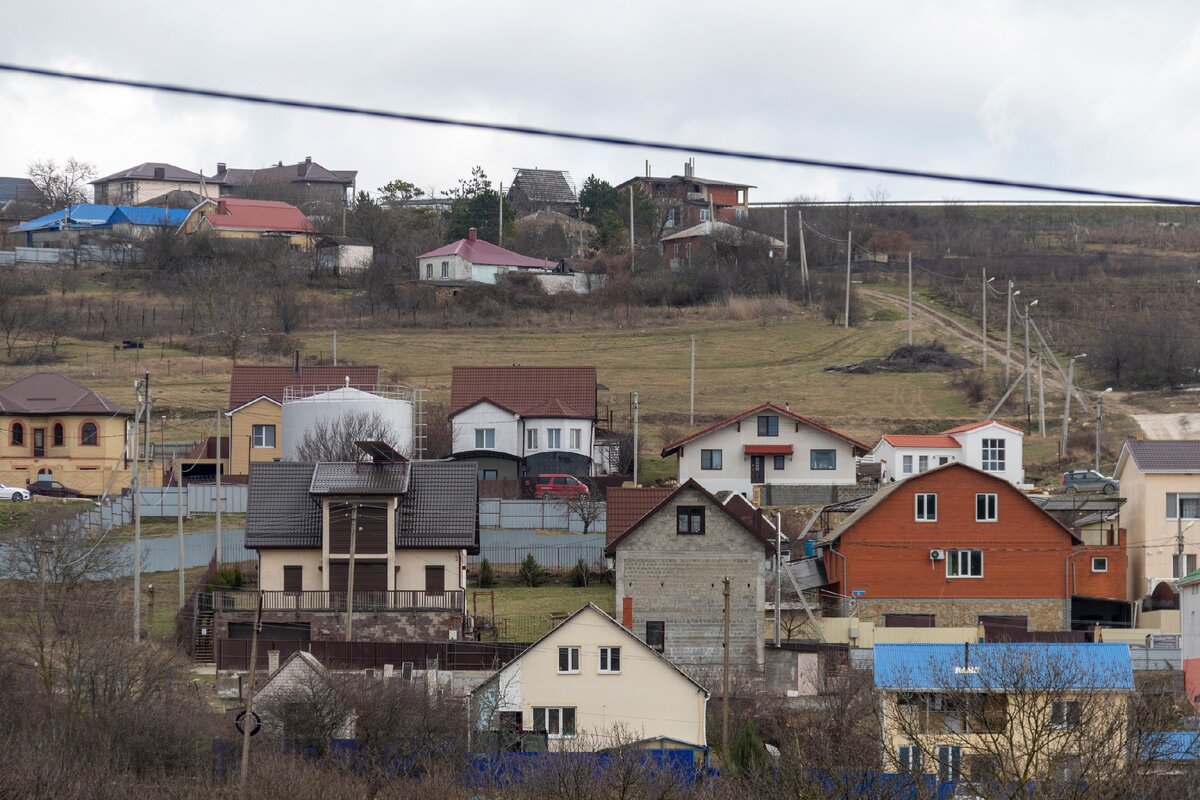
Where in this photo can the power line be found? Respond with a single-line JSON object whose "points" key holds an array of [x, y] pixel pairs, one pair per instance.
{"points": [[619, 141]]}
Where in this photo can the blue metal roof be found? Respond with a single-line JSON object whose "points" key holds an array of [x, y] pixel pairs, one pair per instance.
{"points": [[1002, 665], [93, 215], [1170, 746], [142, 215]]}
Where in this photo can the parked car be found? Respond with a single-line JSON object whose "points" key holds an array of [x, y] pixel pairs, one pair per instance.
{"points": [[1088, 480], [52, 489], [554, 487], [14, 493]]}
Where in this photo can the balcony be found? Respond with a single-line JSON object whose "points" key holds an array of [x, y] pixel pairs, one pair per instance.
{"points": [[395, 600]]}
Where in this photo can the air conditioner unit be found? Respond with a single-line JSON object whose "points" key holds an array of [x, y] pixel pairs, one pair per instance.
{"points": [[937, 555]]}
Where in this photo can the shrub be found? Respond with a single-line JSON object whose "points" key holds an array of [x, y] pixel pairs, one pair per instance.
{"points": [[228, 576], [531, 572], [487, 575], [580, 574], [749, 755]]}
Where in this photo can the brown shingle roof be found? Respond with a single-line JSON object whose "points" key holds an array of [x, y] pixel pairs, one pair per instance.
{"points": [[51, 393], [627, 505], [526, 389], [1165, 455], [146, 171], [544, 185], [249, 382]]}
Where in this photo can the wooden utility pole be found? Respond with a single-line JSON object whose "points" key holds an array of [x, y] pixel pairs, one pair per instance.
{"points": [[218, 556], [632, 244], [635, 439], [248, 720], [350, 573], [137, 517], [725, 677], [910, 304], [849, 253], [179, 523]]}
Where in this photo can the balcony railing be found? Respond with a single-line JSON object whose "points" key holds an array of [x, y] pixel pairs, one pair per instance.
{"points": [[396, 600]]}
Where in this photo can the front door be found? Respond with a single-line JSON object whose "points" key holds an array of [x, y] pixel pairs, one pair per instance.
{"points": [[39, 442], [757, 468]]}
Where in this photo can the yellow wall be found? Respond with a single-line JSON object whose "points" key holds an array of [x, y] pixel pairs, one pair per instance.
{"points": [[83, 467], [271, 564], [1152, 536], [241, 432]]}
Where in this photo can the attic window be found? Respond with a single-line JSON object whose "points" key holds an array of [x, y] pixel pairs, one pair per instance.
{"points": [[689, 520]]}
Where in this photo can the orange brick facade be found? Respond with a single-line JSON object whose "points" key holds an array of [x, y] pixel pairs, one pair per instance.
{"points": [[1026, 555]]}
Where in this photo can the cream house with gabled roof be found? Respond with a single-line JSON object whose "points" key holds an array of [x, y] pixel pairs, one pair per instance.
{"points": [[992, 446]]}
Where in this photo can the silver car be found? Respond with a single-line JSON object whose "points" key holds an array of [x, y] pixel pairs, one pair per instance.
{"points": [[14, 493], [1088, 480]]}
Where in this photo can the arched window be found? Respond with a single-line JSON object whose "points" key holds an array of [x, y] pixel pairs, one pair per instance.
{"points": [[88, 434], [58, 434], [17, 435]]}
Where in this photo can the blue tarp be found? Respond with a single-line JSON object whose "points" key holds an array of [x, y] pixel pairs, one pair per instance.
{"points": [[509, 769], [90, 215], [996, 664]]}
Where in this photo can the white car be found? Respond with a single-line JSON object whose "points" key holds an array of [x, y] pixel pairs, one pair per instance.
{"points": [[14, 493]]}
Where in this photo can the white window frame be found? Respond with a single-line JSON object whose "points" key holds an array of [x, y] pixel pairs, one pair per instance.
{"points": [[576, 438], [571, 652], [557, 713], [995, 507], [604, 667], [531, 439], [955, 558], [993, 455], [921, 507], [445, 269], [716, 458], [908, 759], [922, 463], [1061, 713], [1099, 559], [554, 438], [949, 758], [485, 438], [906, 465], [1173, 509], [429, 271], [258, 436]]}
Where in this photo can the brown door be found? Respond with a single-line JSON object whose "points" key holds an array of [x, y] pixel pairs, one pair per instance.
{"points": [[293, 578], [39, 442], [998, 627], [435, 580], [757, 469]]}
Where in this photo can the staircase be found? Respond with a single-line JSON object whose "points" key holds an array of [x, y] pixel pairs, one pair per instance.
{"points": [[202, 645]]}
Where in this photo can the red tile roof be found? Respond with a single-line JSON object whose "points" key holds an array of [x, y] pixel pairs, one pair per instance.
{"points": [[257, 215], [627, 505], [556, 392], [477, 251], [768, 449], [913, 440], [51, 393], [251, 382], [673, 446], [765, 535], [970, 426]]}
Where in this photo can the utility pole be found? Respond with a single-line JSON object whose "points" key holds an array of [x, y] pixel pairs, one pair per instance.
{"points": [[725, 677], [1028, 374], [1062, 446], [849, 253], [1008, 334], [500, 239], [219, 485], [803, 256], [179, 523], [248, 720], [632, 244], [985, 347], [137, 517], [692, 391], [910, 304], [785, 233], [335, 347], [1041, 396], [350, 574], [635, 439], [1099, 419], [146, 410], [778, 570]]}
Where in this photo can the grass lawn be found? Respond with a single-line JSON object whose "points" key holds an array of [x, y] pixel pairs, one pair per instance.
{"points": [[524, 613], [158, 527]]}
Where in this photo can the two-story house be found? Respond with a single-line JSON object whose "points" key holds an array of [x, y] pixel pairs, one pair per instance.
{"points": [[256, 394], [406, 526], [524, 421], [767, 444], [585, 683], [686, 200], [136, 185], [670, 571], [57, 429], [956, 546], [991, 446], [1160, 481], [306, 184]]}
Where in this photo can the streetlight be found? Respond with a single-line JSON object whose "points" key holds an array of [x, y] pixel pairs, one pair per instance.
{"points": [[1099, 418], [986, 285], [1062, 448], [1008, 332], [1028, 373]]}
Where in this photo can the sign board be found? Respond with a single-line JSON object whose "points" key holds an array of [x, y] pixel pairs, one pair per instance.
{"points": [[859, 592]]}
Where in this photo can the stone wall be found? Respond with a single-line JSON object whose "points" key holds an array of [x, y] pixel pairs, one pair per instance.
{"points": [[1043, 615], [773, 494], [384, 626]]}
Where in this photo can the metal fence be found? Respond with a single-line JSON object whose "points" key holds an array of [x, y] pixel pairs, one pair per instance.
{"points": [[234, 654], [164, 502], [553, 557], [534, 514]]}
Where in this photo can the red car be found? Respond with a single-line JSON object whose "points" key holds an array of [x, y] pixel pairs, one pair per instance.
{"points": [[52, 489], [565, 487]]}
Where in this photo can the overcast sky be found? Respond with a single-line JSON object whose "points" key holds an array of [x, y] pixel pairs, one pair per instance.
{"points": [[1101, 94]]}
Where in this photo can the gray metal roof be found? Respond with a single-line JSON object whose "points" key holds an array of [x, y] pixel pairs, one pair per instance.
{"points": [[279, 510], [356, 478], [1165, 455], [441, 506]]}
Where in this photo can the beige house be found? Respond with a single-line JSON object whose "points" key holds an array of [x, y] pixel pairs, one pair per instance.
{"points": [[590, 684], [136, 185], [1160, 481], [56, 429]]}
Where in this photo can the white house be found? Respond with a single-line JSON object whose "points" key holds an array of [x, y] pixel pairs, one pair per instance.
{"points": [[589, 684], [991, 446], [1189, 627], [767, 444], [472, 260], [525, 421]]}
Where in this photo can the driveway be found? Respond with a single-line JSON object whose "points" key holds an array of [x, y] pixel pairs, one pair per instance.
{"points": [[1169, 426]]}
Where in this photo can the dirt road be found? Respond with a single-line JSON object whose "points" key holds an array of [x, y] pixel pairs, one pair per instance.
{"points": [[1169, 426]]}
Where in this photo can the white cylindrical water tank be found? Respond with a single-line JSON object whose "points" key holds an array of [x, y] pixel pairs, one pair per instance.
{"points": [[304, 414]]}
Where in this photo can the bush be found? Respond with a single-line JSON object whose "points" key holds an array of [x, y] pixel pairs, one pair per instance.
{"points": [[531, 572], [580, 574], [749, 755], [487, 575], [228, 576]]}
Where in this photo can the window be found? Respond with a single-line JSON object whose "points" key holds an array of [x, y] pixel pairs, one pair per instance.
{"points": [[429, 271], [689, 520], [822, 459], [554, 438], [964, 563], [922, 463], [780, 462], [16, 435], [1099, 564], [263, 435], [656, 635], [909, 761], [558, 723], [705, 214], [985, 508], [949, 763], [710, 459], [435, 578], [926, 507], [610, 660], [993, 455], [576, 438], [1183, 565], [568, 660], [488, 474], [59, 437], [531, 439], [445, 269], [768, 426], [1065, 714], [670, 223], [906, 465], [1187, 505], [485, 438], [943, 460], [88, 434]]}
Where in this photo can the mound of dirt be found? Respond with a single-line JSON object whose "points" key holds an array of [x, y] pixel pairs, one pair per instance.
{"points": [[928, 357]]}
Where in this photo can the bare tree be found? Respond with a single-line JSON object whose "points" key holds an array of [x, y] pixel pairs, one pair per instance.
{"points": [[589, 507], [62, 185], [333, 438]]}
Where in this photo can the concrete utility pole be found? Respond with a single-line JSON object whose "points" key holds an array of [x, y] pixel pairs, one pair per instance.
{"points": [[1062, 445], [500, 235], [803, 256], [219, 483], [778, 570], [986, 281], [1099, 419], [632, 244], [146, 411], [350, 573], [725, 677], [137, 517], [1028, 374], [785, 233], [1041, 396], [179, 522], [1008, 333], [692, 390], [635, 438], [849, 253], [335, 347], [248, 720], [910, 304]]}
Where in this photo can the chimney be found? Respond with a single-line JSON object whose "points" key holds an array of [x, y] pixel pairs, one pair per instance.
{"points": [[627, 612], [160, 173], [220, 167], [308, 159], [296, 364], [302, 167], [473, 234], [222, 207]]}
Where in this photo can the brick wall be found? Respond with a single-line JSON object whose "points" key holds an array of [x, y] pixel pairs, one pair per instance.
{"points": [[810, 494], [390, 626], [678, 580]]}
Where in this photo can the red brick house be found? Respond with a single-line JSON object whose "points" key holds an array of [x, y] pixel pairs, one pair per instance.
{"points": [[955, 546], [686, 200]]}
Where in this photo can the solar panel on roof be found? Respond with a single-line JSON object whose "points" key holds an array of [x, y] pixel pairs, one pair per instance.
{"points": [[380, 452]]}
